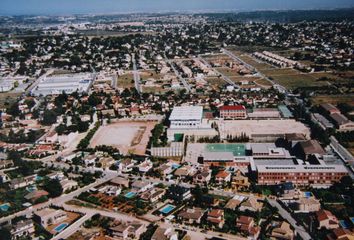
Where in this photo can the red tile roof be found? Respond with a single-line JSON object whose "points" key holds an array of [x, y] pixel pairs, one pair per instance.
{"points": [[228, 108]]}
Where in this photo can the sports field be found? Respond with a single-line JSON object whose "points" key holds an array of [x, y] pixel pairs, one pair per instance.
{"points": [[128, 137], [236, 149]]}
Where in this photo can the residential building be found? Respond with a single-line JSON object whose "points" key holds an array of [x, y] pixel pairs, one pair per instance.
{"points": [[22, 228], [239, 181], [247, 226], [191, 215], [326, 219], [49, 216], [164, 234], [216, 217], [283, 232], [178, 193]]}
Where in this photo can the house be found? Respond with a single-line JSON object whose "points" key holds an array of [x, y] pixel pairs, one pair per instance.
{"points": [[4, 177], [164, 234], [283, 232], [178, 193], [49, 216], [141, 186], [124, 231], [165, 169], [35, 195], [239, 181], [247, 226], [68, 184], [145, 166], [185, 171], [216, 217], [110, 190], [120, 181], [326, 219], [90, 160], [120, 231], [251, 204], [22, 228], [6, 163], [126, 165], [308, 204], [153, 195], [22, 182], [223, 177], [191, 215], [56, 175], [203, 176], [106, 162], [235, 202], [341, 234]]}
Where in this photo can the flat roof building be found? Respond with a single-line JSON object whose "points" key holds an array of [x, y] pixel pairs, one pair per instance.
{"points": [[68, 83], [186, 117]]}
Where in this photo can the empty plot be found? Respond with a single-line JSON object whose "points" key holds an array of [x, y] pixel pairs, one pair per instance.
{"points": [[128, 137]]}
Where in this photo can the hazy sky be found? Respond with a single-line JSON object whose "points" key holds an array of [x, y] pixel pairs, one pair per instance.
{"points": [[9, 7]]}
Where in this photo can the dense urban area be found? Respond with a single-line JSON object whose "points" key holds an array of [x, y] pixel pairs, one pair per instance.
{"points": [[177, 126]]}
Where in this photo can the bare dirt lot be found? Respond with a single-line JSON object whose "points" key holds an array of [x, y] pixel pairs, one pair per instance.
{"points": [[128, 137]]}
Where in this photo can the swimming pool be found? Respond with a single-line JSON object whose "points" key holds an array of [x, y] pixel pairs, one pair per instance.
{"points": [[167, 209], [236, 149], [130, 194], [60, 227], [31, 188], [344, 224], [39, 178], [4, 207], [307, 194], [175, 166]]}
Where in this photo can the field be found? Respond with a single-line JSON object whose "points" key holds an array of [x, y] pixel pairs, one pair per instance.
{"points": [[128, 137], [333, 99], [126, 81], [8, 98]]}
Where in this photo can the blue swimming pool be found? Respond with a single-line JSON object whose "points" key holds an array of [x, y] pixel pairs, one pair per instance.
{"points": [[175, 166], [344, 224], [31, 188], [60, 227], [4, 207], [167, 209], [307, 194], [39, 178], [130, 194]]}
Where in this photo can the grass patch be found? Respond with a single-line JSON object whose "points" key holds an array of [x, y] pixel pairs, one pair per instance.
{"points": [[126, 80], [333, 99]]}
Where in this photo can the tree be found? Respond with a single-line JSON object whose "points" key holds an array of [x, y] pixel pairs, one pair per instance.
{"points": [[13, 110], [5, 234], [49, 117], [53, 187]]}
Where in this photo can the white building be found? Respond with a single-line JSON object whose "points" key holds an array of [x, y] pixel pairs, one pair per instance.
{"points": [[186, 117], [68, 83]]}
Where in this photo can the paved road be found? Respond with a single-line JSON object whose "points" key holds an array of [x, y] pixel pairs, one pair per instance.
{"points": [[286, 215], [181, 79], [136, 75]]}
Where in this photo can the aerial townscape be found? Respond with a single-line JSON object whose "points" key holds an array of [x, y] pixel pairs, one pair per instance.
{"points": [[177, 125]]}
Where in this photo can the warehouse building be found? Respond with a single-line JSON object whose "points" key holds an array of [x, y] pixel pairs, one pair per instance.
{"points": [[68, 83]]}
